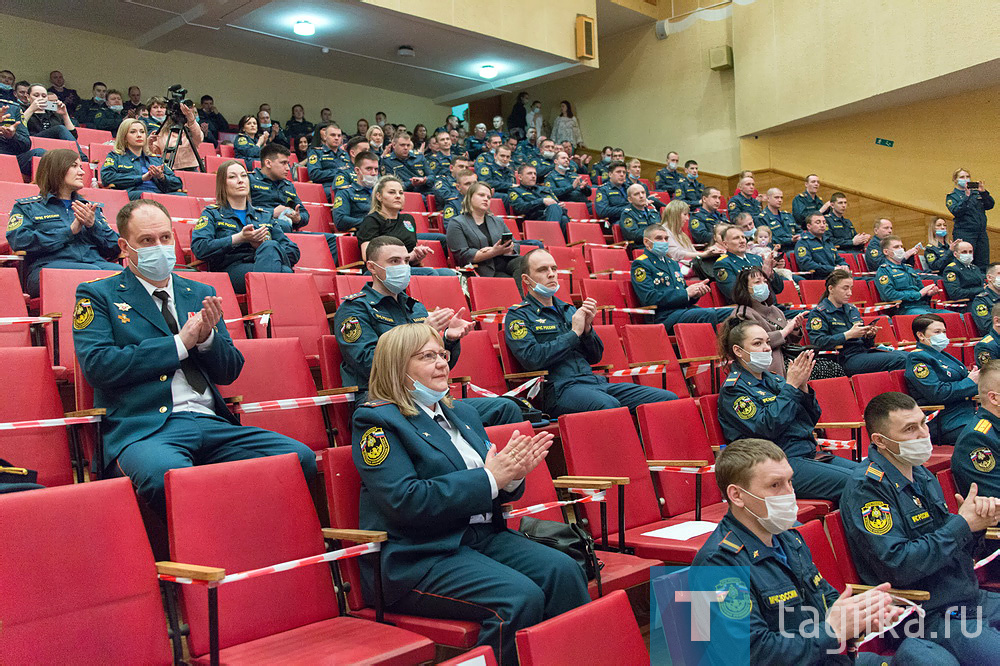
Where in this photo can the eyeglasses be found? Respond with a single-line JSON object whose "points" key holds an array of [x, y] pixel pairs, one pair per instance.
{"points": [[433, 356]]}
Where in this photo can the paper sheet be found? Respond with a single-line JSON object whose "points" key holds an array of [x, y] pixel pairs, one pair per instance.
{"points": [[683, 531]]}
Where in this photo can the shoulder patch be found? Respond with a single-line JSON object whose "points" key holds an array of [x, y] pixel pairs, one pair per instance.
{"points": [[15, 221], [874, 472], [201, 223], [745, 407], [350, 330], [982, 310], [517, 329], [883, 279], [374, 447], [951, 276], [877, 517], [639, 273], [83, 314], [722, 274], [921, 371], [983, 460], [815, 323]]}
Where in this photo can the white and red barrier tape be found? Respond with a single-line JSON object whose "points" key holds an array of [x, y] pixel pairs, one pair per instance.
{"points": [[10, 321], [597, 275], [292, 403], [11, 257], [835, 444], [533, 386], [872, 309], [264, 318], [49, 423], [489, 317], [686, 470], [342, 554], [342, 271], [641, 370], [634, 311], [545, 506], [989, 558], [913, 608], [696, 369]]}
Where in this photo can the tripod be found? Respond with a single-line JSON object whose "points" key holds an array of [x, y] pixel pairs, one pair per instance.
{"points": [[175, 131]]}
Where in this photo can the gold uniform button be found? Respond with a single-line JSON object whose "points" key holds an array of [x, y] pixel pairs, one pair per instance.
{"points": [[163, 410], [163, 378]]}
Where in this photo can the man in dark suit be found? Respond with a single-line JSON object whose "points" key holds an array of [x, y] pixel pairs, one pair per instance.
{"points": [[152, 345]]}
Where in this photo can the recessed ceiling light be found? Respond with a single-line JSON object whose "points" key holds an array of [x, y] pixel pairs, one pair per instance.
{"points": [[488, 72], [304, 28]]}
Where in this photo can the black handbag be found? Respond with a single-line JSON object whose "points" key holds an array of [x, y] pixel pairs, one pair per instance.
{"points": [[528, 411], [569, 538]]}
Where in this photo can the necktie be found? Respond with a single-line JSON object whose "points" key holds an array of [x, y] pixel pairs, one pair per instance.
{"points": [[192, 373]]}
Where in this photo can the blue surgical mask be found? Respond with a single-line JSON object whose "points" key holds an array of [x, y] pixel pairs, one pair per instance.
{"points": [[5, 87], [672, 165], [397, 277], [561, 169], [98, 99], [660, 248], [760, 292], [427, 397], [692, 176], [938, 341], [962, 182], [156, 262], [265, 126], [116, 107], [940, 233], [159, 119], [759, 361], [543, 291], [749, 232], [606, 159]]}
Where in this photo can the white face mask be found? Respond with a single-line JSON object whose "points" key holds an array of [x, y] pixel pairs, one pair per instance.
{"points": [[782, 512], [965, 258], [759, 361], [913, 452], [899, 254]]}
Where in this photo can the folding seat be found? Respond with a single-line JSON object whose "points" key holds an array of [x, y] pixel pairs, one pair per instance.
{"points": [[604, 445], [812, 291], [413, 202], [97, 153], [198, 184], [12, 304], [696, 343], [87, 136], [708, 405], [649, 344], [610, 297], [611, 262], [28, 392], [296, 305], [547, 232], [113, 200], [300, 174], [88, 171], [498, 208], [886, 334], [320, 218], [439, 291], [437, 258], [311, 193], [291, 616], [588, 234], [206, 150], [229, 152], [839, 406], [349, 252], [515, 231], [339, 412], [10, 170], [11, 192], [314, 253], [613, 358], [490, 297], [213, 162], [598, 632], [79, 578], [856, 262], [180, 208], [789, 296], [478, 363], [571, 262], [53, 144], [345, 285], [231, 311], [577, 210]]}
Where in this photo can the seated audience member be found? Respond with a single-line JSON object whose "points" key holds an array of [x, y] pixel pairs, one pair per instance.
{"points": [[212, 121], [935, 377], [545, 333], [673, 217], [755, 478], [386, 219], [270, 129], [493, 141], [755, 302], [691, 188], [963, 280], [702, 225], [835, 322], [270, 188], [744, 201], [638, 215], [897, 281], [842, 231], [755, 402], [439, 161], [134, 100], [439, 496], [153, 347], [65, 95], [476, 143], [410, 169], [327, 159], [445, 190], [353, 203], [87, 108], [346, 176], [599, 170], [612, 197], [112, 115], [815, 252], [968, 205], [873, 251], [377, 142], [899, 530], [565, 184], [808, 202], [982, 305], [728, 266], [44, 123], [762, 244], [939, 251], [668, 179], [248, 144], [657, 280], [157, 116], [167, 142], [419, 138], [746, 173], [535, 202], [58, 228], [302, 149], [476, 236], [988, 347], [15, 139], [7, 80], [382, 305], [544, 162], [975, 457], [133, 168], [234, 236], [784, 230], [498, 173], [21, 89], [580, 162]]}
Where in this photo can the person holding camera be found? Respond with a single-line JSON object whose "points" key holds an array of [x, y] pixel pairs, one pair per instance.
{"points": [[131, 167], [479, 237], [164, 144], [968, 203], [47, 118]]}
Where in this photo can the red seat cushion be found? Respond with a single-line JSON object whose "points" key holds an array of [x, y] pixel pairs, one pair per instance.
{"points": [[621, 572], [453, 633], [668, 550]]}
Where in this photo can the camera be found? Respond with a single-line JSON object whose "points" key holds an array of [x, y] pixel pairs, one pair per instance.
{"points": [[973, 185], [52, 106], [176, 95]]}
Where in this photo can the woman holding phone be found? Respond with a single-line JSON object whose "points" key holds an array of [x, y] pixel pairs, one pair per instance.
{"points": [[479, 237]]}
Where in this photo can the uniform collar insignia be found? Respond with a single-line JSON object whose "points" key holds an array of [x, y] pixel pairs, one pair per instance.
{"points": [[124, 307]]}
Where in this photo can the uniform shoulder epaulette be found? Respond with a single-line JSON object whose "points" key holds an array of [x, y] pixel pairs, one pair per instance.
{"points": [[874, 472], [988, 338], [729, 545], [951, 264], [375, 403], [36, 197], [105, 277], [212, 206], [354, 296], [519, 305], [983, 426], [641, 256], [722, 256], [731, 379]]}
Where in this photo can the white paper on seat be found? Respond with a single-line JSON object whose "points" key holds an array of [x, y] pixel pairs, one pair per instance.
{"points": [[475, 661], [683, 531]]}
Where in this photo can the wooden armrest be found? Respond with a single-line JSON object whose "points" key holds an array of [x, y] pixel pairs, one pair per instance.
{"points": [[527, 375], [99, 411], [605, 307], [911, 595], [353, 264], [574, 243], [331, 315], [699, 359], [338, 391], [607, 271], [357, 536], [195, 263], [716, 449], [677, 463], [585, 484], [53, 315], [460, 380], [645, 363], [888, 302], [235, 400], [486, 311], [606, 366], [615, 480], [192, 571], [841, 424], [931, 408]]}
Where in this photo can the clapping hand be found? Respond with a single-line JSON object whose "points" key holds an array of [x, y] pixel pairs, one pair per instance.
{"points": [[854, 615], [84, 213], [521, 455], [800, 369]]}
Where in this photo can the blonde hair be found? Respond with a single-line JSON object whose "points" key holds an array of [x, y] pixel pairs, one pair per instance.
{"points": [[467, 199], [932, 238], [763, 227], [393, 352], [121, 138], [377, 192], [671, 219]]}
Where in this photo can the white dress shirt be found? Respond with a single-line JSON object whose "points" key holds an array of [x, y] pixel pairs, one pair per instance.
{"points": [[186, 399]]}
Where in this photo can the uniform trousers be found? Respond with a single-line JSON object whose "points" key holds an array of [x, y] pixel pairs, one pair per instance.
{"points": [[974, 639], [821, 480], [874, 361], [188, 438], [693, 316], [592, 396], [268, 259], [501, 579]]}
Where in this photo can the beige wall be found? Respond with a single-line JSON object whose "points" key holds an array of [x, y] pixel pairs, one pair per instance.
{"points": [[238, 87], [795, 58], [652, 96]]}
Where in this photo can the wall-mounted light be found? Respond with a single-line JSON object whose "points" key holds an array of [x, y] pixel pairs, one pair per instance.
{"points": [[304, 28], [488, 72]]}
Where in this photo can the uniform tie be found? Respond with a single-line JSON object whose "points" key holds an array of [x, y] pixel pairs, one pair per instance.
{"points": [[192, 373]]}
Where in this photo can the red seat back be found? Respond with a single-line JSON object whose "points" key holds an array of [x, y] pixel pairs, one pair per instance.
{"points": [[79, 580], [11, 192], [10, 171], [348, 250], [346, 285], [694, 341], [542, 230], [823, 555], [812, 291], [413, 202], [437, 258], [198, 184], [311, 193], [845, 559], [577, 210], [493, 292], [298, 309], [614, 352], [329, 367], [187, 208], [58, 292], [497, 207], [947, 481], [223, 289], [12, 305], [588, 232], [250, 498], [88, 136], [53, 144], [207, 150], [709, 407], [343, 497], [649, 343], [538, 488], [886, 334], [97, 153], [320, 218], [113, 201], [611, 259], [838, 404], [479, 361], [314, 251]]}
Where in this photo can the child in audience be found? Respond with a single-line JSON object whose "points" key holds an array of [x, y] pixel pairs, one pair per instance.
{"points": [[762, 245]]}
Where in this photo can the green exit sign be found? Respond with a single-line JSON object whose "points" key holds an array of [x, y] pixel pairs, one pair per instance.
{"points": [[883, 142]]}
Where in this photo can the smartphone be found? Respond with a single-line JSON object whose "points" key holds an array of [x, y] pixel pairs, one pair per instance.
{"points": [[973, 185], [874, 322], [506, 237], [52, 106]]}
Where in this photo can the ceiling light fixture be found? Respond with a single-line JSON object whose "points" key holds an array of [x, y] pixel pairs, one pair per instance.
{"points": [[304, 28], [488, 72]]}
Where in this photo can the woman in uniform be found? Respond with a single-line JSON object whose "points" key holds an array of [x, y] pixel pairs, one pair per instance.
{"points": [[133, 168], [246, 147]]}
